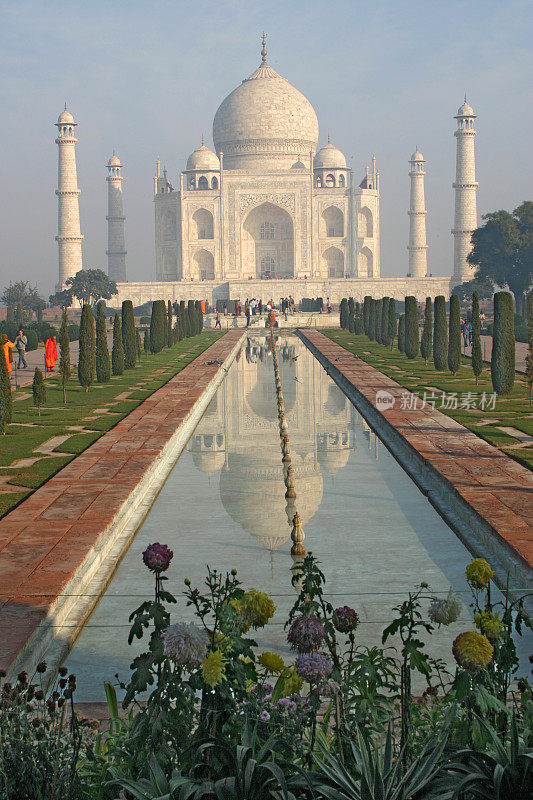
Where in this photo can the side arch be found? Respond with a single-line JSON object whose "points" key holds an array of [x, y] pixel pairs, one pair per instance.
{"points": [[203, 266], [202, 220], [332, 222], [365, 223], [365, 263], [333, 262]]}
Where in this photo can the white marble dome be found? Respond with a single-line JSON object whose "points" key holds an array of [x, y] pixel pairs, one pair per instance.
{"points": [[65, 118], [466, 110], [203, 158], [417, 156], [114, 161], [264, 122], [330, 157]]}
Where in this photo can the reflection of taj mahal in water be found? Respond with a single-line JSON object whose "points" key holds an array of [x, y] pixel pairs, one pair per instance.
{"points": [[241, 422]]}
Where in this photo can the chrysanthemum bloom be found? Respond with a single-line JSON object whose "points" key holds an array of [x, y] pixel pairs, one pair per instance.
{"points": [[444, 611], [306, 633], [345, 619], [478, 573], [213, 668], [313, 667], [292, 683], [271, 662], [185, 644], [472, 651], [489, 624], [256, 608], [157, 557]]}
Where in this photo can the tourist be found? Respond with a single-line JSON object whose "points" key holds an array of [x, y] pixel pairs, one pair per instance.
{"points": [[217, 321], [247, 313], [260, 306], [328, 306], [20, 343], [50, 353], [464, 331], [8, 354], [469, 333]]}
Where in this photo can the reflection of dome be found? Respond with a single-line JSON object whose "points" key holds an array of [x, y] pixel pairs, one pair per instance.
{"points": [[333, 460], [262, 397], [203, 158], [265, 116], [336, 400], [330, 157], [209, 463]]}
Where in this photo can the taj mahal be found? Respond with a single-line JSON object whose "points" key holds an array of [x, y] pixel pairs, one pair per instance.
{"points": [[267, 204]]}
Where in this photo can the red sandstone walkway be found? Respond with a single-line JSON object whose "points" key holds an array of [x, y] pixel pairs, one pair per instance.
{"points": [[44, 540], [499, 489]]}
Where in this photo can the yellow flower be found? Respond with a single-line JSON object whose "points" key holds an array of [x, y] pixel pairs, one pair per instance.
{"points": [[222, 642], [472, 651], [489, 624], [271, 662], [256, 608], [478, 573], [213, 668], [293, 683]]}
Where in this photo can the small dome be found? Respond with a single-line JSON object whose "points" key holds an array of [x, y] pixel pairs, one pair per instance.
{"points": [[417, 156], [465, 110], [114, 161], [330, 157], [203, 158], [298, 165], [65, 117]]}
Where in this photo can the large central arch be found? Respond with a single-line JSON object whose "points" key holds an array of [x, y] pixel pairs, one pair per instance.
{"points": [[267, 242]]}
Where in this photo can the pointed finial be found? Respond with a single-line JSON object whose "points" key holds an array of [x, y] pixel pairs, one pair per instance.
{"points": [[329, 142], [465, 98], [263, 49], [202, 140], [65, 105]]}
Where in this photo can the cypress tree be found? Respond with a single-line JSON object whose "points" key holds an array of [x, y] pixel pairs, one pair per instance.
{"points": [[358, 318], [366, 314], [502, 365], [192, 322], [411, 342], [426, 345], [401, 333], [158, 334], [199, 317], [6, 401], [146, 342], [175, 333], [529, 355], [385, 322], [477, 357], [169, 324], [87, 354], [379, 313], [440, 336], [128, 335], [372, 320], [38, 390], [64, 354], [343, 313], [117, 352], [179, 325], [103, 364], [392, 324], [351, 321], [454, 335], [351, 305], [138, 343]]}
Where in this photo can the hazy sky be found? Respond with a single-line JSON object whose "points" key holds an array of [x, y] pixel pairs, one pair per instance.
{"points": [[146, 79]]}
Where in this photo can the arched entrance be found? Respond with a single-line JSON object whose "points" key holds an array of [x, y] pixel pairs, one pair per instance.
{"points": [[267, 242]]}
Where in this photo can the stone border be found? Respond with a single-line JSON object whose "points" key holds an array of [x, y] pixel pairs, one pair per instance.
{"points": [[478, 533], [77, 597]]}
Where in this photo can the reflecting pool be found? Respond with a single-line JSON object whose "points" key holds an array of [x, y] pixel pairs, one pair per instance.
{"points": [[375, 534]]}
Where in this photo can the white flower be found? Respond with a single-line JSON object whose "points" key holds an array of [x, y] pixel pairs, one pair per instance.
{"points": [[185, 644], [444, 612]]}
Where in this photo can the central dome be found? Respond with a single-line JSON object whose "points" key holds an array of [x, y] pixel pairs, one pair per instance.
{"points": [[264, 123]]}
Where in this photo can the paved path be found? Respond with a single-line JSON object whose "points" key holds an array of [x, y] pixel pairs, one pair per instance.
{"points": [[486, 349], [44, 540], [499, 489]]}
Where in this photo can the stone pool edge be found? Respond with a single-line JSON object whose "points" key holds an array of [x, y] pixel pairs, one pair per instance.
{"points": [[477, 533], [81, 593]]}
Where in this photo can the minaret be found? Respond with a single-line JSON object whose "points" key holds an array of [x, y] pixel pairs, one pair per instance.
{"points": [[68, 236], [465, 186], [418, 255], [116, 249]]}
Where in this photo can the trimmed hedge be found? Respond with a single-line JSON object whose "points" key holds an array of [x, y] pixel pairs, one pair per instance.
{"points": [[440, 336], [502, 365], [454, 335], [412, 343]]}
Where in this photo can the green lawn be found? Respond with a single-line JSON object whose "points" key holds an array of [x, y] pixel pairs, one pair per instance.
{"points": [[513, 411], [29, 430]]}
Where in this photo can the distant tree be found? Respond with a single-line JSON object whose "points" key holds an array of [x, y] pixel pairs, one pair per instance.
{"points": [[19, 315], [169, 324], [367, 302], [128, 335], [87, 355], [440, 334], [502, 365], [351, 305], [138, 343], [477, 357], [178, 323], [401, 333], [454, 335], [89, 286], [358, 318], [63, 299], [343, 313], [34, 302], [392, 323], [10, 317], [192, 320], [379, 314], [117, 350], [103, 364], [158, 338], [484, 288], [6, 401], [426, 345], [38, 390], [199, 316], [15, 293], [351, 321], [64, 354], [146, 342], [412, 342], [529, 356], [385, 322]]}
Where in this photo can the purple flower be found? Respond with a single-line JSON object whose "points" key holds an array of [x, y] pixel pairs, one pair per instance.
{"points": [[157, 557], [287, 704], [306, 634], [265, 716], [345, 619], [313, 667]]}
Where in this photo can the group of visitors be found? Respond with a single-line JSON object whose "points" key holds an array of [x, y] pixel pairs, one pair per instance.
{"points": [[466, 330], [20, 344]]}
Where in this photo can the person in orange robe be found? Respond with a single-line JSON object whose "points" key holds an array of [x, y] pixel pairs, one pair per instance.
{"points": [[7, 346], [50, 353]]}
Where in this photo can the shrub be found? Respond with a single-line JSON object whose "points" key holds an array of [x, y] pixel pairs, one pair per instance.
{"points": [[385, 322], [128, 335], [343, 313], [138, 344], [378, 314], [366, 314], [372, 320], [73, 332], [87, 355], [502, 365], [351, 322], [103, 364], [145, 321], [440, 337], [358, 318], [477, 357], [392, 324], [169, 324], [64, 353], [454, 335], [33, 341], [401, 333], [351, 305], [192, 318], [117, 351], [411, 342], [38, 389], [199, 316], [158, 320], [426, 345], [146, 342], [6, 401]]}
